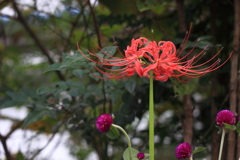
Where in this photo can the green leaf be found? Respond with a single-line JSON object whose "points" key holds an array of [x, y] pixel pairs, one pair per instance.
{"points": [[130, 85], [126, 154], [53, 67], [109, 50], [113, 132], [238, 128], [29, 93], [51, 113], [144, 5], [44, 89], [78, 85], [183, 88], [7, 103], [74, 92], [198, 149], [78, 73], [219, 130], [17, 96], [228, 126], [20, 156], [204, 44], [115, 95], [94, 75], [33, 116]]}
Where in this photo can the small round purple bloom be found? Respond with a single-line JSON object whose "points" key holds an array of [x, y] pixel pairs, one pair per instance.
{"points": [[140, 155], [225, 116], [183, 151], [104, 122]]}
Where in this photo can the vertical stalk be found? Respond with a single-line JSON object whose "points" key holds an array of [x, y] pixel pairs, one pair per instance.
{"points": [[127, 137], [221, 145], [151, 118]]}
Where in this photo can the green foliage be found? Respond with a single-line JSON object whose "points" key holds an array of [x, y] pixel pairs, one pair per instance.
{"points": [[198, 149], [126, 154], [147, 4], [185, 87], [113, 132], [228, 126], [35, 115]]}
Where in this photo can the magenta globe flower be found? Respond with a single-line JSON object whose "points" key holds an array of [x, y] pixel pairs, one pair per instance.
{"points": [[140, 156], [225, 116], [183, 151], [104, 122]]}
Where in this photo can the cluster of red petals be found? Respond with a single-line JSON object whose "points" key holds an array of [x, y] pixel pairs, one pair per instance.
{"points": [[104, 122], [140, 156], [183, 151], [225, 116], [162, 58]]}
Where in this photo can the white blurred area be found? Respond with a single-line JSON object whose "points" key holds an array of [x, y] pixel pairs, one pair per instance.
{"points": [[28, 141]]}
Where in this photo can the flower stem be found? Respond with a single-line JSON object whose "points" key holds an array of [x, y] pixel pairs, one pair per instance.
{"points": [[221, 145], [127, 137], [151, 118]]}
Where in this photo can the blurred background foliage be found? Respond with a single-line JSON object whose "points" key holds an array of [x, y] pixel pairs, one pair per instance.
{"points": [[42, 70]]}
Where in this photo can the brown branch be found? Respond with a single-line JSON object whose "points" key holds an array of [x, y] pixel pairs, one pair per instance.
{"points": [[188, 107], [181, 15], [18, 125], [95, 23], [234, 146], [3, 139], [231, 141], [188, 119], [22, 20], [5, 148], [215, 140]]}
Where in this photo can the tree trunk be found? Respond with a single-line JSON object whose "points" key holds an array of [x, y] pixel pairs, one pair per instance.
{"points": [[215, 137], [234, 73], [236, 50], [188, 120]]}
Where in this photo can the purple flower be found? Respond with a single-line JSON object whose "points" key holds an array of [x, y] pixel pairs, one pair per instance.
{"points": [[183, 151], [225, 116], [104, 122], [140, 155]]}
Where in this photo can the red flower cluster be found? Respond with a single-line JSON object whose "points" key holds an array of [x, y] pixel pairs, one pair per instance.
{"points": [[225, 116], [104, 122], [162, 58], [183, 151]]}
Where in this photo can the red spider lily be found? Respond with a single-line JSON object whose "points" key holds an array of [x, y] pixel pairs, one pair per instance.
{"points": [[162, 58]]}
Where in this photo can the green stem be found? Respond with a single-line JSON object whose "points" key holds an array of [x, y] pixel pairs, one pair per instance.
{"points": [[151, 118], [191, 158], [127, 137], [221, 145]]}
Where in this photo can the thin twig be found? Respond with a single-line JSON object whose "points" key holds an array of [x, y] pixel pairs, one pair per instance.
{"points": [[53, 135]]}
